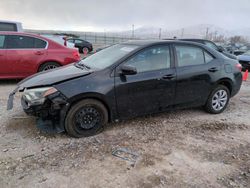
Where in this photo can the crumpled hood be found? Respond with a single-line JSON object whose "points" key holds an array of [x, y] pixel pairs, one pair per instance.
{"points": [[48, 78], [54, 76]]}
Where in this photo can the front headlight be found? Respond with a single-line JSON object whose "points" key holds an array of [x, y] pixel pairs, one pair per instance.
{"points": [[37, 96]]}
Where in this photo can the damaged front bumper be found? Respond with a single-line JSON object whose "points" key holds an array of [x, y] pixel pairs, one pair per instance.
{"points": [[50, 114], [11, 98]]}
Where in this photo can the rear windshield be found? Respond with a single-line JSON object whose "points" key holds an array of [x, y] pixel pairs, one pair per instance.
{"points": [[108, 56]]}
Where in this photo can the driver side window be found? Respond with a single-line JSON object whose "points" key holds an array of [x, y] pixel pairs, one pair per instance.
{"points": [[154, 58]]}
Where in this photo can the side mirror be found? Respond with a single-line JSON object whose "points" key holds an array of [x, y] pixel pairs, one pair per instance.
{"points": [[128, 70]]}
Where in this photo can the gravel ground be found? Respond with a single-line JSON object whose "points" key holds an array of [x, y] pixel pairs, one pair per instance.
{"points": [[185, 148]]}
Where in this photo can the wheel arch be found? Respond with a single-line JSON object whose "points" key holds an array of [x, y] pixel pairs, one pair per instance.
{"points": [[226, 82], [95, 96], [47, 61]]}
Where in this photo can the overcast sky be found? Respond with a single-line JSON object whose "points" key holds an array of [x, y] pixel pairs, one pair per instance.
{"points": [[98, 15]]}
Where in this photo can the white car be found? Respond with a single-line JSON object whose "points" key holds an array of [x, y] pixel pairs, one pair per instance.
{"points": [[61, 40]]}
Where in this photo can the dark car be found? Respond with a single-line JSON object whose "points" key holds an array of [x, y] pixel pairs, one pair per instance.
{"points": [[242, 50], [82, 45], [128, 80], [244, 60], [212, 45]]}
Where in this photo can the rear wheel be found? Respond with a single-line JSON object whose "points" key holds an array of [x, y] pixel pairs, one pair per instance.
{"points": [[48, 66], [85, 49], [86, 118], [218, 100]]}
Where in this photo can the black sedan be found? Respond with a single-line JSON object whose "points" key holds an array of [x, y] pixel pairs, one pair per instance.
{"points": [[129, 80], [82, 45]]}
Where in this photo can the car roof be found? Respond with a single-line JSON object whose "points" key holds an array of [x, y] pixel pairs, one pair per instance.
{"points": [[202, 40], [6, 21], [22, 33], [144, 43], [51, 41], [148, 43]]}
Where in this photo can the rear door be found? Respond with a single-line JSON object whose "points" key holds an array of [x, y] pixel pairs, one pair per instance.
{"points": [[152, 89], [196, 71], [5, 69], [24, 54]]}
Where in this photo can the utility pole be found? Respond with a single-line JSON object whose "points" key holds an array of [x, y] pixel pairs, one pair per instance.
{"points": [[133, 31], [207, 33], [105, 37], [160, 33], [182, 32]]}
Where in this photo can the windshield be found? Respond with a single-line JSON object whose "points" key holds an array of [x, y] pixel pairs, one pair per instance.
{"points": [[107, 56]]}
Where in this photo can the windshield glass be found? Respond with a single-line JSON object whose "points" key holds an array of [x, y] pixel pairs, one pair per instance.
{"points": [[107, 56]]}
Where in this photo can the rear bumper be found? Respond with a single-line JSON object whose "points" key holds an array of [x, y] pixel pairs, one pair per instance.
{"points": [[237, 84]]}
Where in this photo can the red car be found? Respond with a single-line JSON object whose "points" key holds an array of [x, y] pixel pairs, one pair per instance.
{"points": [[23, 54]]}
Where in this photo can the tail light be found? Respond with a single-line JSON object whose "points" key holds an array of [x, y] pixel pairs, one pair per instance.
{"points": [[76, 55], [239, 66]]}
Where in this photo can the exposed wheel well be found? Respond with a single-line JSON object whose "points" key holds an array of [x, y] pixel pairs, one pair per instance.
{"points": [[226, 83]]}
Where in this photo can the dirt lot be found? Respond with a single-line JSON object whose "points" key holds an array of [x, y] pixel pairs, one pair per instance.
{"points": [[187, 148]]}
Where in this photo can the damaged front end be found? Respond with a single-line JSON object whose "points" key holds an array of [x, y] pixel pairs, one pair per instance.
{"points": [[41, 98], [47, 104]]}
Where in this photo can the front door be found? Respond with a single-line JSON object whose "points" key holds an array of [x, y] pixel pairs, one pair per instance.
{"points": [[152, 89]]}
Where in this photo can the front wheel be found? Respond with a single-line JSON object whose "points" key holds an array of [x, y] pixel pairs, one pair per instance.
{"points": [[86, 118], [218, 100]]}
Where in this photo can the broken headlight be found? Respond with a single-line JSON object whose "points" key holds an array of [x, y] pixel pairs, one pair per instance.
{"points": [[37, 96]]}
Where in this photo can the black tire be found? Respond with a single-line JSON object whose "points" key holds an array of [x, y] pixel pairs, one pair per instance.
{"points": [[209, 107], [78, 123], [82, 49], [48, 66]]}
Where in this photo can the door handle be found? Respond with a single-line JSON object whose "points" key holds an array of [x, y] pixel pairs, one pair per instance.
{"points": [[39, 53], [168, 77], [213, 69]]}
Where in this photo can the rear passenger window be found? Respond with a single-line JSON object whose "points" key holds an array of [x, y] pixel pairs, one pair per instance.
{"points": [[16, 42], [211, 45], [208, 57], [2, 39], [189, 55], [39, 43]]}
